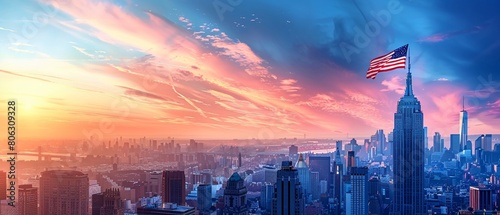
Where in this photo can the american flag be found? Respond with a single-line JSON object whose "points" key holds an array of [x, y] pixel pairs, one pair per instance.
{"points": [[393, 60]]}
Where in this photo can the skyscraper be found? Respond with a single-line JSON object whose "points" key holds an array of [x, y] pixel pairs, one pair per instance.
{"points": [[455, 143], [351, 161], [426, 138], [480, 198], [380, 141], [293, 150], [487, 142], [97, 203], [348, 197], [154, 181], [315, 190], [338, 170], [173, 187], [111, 202], [352, 145], [28, 200], [359, 183], [338, 144], [478, 144], [304, 174], [64, 192], [408, 155], [375, 202], [239, 159], [437, 142], [464, 117], [288, 197], [321, 164], [266, 197], [204, 198], [235, 199]]}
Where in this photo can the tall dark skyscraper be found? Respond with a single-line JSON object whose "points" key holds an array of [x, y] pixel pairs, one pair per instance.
{"points": [[288, 195], [408, 155], [338, 185], [64, 192], [97, 203], [173, 187], [359, 183], [235, 196]]}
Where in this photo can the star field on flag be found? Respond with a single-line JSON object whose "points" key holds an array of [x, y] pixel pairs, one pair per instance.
{"points": [[393, 60]]}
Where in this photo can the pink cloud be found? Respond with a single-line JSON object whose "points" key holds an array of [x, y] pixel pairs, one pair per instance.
{"points": [[434, 38], [396, 84], [442, 36], [290, 85], [288, 82], [183, 19]]}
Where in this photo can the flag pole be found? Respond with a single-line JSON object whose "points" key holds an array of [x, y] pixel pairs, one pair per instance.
{"points": [[409, 62]]}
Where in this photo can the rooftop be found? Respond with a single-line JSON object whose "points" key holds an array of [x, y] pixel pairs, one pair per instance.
{"points": [[235, 177]]}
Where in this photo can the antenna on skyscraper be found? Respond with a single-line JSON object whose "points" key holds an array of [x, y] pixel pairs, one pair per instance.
{"points": [[409, 62], [463, 103]]}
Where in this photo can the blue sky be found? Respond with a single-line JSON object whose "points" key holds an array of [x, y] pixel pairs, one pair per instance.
{"points": [[256, 68]]}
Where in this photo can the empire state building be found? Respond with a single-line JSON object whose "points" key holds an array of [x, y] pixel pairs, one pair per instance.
{"points": [[408, 155]]}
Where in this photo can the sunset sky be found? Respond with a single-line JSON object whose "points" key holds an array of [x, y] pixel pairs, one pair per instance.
{"points": [[243, 69]]}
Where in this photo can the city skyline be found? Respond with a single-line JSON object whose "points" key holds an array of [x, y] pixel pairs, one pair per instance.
{"points": [[234, 107], [189, 70]]}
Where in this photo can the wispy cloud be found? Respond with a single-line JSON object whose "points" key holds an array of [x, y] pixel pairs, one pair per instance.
{"points": [[24, 76], [187, 99], [28, 51], [6, 29], [83, 51], [443, 36]]}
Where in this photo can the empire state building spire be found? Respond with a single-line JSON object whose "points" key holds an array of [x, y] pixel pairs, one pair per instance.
{"points": [[409, 88]]}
